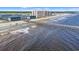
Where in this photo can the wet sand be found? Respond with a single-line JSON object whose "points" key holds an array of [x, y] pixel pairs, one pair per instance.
{"points": [[42, 38]]}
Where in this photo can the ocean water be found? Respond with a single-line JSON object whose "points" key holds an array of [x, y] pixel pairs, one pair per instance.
{"points": [[69, 20]]}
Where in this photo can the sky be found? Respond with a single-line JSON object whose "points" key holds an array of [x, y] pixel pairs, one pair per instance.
{"points": [[28, 5], [39, 8], [39, 3]]}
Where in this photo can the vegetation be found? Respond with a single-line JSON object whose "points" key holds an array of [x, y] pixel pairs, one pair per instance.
{"points": [[15, 12]]}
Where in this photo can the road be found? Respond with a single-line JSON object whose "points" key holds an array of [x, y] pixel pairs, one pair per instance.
{"points": [[46, 37]]}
